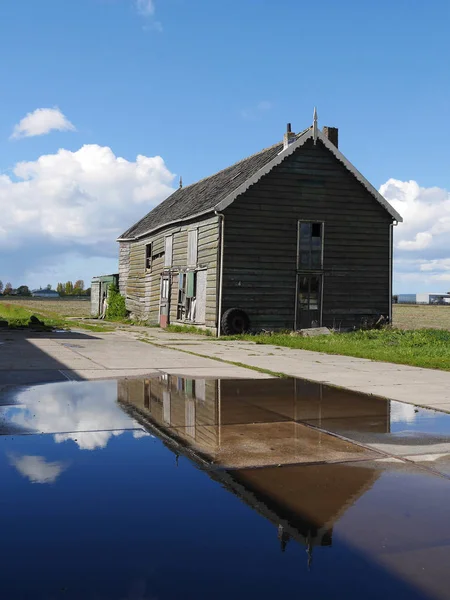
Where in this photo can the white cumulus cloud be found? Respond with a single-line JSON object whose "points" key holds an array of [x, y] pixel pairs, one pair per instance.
{"points": [[36, 468], [40, 122], [421, 240], [70, 206], [422, 252]]}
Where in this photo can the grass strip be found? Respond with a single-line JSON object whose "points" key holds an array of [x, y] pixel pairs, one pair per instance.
{"points": [[222, 360], [426, 348]]}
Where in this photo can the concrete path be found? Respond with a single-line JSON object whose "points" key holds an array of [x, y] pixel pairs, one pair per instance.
{"points": [[29, 358], [423, 387]]}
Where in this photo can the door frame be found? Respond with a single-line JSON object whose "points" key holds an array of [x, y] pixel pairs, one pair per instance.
{"points": [[302, 272], [167, 277], [322, 278]]}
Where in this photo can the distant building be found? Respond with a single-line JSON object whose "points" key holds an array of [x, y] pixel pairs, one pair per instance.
{"points": [[433, 298], [44, 294], [406, 299]]}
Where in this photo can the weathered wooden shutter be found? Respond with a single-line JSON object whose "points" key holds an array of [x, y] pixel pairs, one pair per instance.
{"points": [[192, 247], [168, 251], [190, 286]]}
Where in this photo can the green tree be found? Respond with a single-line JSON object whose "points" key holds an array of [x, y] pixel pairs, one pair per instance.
{"points": [[8, 289], [23, 290], [49, 286], [69, 288], [78, 286], [1, 287], [61, 289]]}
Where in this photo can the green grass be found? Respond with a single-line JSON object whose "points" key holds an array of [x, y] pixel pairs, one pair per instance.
{"points": [[188, 329], [428, 348], [18, 316]]}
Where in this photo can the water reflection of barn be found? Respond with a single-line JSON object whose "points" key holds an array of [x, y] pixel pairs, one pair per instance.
{"points": [[208, 419]]}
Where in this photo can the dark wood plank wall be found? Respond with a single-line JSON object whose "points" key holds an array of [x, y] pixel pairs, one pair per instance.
{"points": [[141, 288], [260, 241]]}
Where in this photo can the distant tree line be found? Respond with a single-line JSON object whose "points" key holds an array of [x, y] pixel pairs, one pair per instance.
{"points": [[8, 290], [73, 289], [64, 289]]}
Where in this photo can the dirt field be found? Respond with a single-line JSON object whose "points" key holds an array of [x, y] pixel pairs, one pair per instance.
{"points": [[61, 308], [412, 316]]}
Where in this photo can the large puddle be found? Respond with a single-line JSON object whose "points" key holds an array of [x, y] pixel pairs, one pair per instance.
{"points": [[188, 488]]}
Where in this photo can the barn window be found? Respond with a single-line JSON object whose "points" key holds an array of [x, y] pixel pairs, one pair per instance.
{"points": [[310, 245], [192, 247], [148, 257], [168, 251]]}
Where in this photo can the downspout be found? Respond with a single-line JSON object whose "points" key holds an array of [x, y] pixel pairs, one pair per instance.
{"points": [[391, 272], [221, 217]]}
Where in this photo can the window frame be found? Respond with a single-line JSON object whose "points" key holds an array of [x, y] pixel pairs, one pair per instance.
{"points": [[148, 256], [310, 268], [167, 256], [190, 262]]}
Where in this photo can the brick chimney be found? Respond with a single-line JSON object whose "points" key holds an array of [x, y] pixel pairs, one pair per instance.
{"points": [[289, 137], [332, 133]]}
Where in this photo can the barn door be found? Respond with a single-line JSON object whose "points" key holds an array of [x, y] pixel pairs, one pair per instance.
{"points": [[164, 304], [309, 300]]}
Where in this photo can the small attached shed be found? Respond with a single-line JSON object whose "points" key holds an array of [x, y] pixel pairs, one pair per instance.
{"points": [[289, 238], [99, 290]]}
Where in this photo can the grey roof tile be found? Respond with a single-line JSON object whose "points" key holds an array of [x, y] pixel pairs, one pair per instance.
{"points": [[204, 195]]}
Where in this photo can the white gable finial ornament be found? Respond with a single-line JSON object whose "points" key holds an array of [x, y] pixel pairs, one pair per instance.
{"points": [[315, 126]]}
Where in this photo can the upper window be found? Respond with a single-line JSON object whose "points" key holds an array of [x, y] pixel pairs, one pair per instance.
{"points": [[310, 244], [148, 256], [192, 247], [168, 251]]}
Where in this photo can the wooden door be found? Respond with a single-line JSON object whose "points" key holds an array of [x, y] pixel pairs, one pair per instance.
{"points": [[164, 304], [309, 300]]}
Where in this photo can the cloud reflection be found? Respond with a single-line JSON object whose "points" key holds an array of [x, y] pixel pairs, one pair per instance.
{"points": [[36, 468], [85, 412]]}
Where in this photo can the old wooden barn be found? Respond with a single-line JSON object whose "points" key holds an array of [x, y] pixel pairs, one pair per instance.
{"points": [[289, 238]]}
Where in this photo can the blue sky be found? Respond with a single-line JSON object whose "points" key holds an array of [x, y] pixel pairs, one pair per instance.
{"points": [[201, 84]]}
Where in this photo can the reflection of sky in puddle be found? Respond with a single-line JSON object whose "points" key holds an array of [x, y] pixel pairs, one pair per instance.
{"points": [[85, 412], [409, 418]]}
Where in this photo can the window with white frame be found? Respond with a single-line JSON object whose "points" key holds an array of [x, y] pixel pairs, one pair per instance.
{"points": [[168, 251], [310, 245], [192, 247]]}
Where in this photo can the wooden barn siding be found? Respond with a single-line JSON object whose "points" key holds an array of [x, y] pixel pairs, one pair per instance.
{"points": [[124, 266], [142, 289], [205, 437], [260, 240]]}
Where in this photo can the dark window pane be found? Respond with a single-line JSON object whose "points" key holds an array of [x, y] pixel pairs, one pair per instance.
{"points": [[316, 230], [305, 230], [316, 259]]}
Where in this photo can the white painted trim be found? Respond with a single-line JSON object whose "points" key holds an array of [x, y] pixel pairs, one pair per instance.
{"points": [[161, 227], [308, 134], [221, 218], [391, 273], [290, 150], [264, 171]]}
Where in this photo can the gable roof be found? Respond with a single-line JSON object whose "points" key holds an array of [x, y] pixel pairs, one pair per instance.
{"points": [[218, 191]]}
